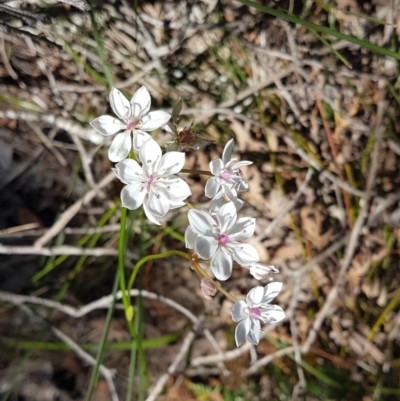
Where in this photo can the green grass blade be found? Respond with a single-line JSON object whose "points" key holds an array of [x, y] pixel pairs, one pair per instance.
{"points": [[100, 354], [150, 343], [319, 28], [100, 49]]}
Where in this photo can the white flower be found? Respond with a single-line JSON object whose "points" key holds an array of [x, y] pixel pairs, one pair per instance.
{"points": [[136, 119], [217, 237], [256, 309], [261, 271], [228, 179], [153, 184]]}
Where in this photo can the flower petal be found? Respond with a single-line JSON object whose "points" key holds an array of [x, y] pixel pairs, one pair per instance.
{"points": [[171, 163], [254, 333], [205, 246], [255, 296], [120, 104], [244, 254], [271, 290], [107, 125], [154, 120], [226, 216], [132, 195], [216, 166], [221, 264], [241, 331], [242, 163], [139, 138], [120, 147], [273, 314], [190, 237], [243, 229], [150, 156], [140, 102], [212, 187], [158, 204], [148, 214], [227, 153], [201, 222], [175, 188], [128, 171], [239, 311]]}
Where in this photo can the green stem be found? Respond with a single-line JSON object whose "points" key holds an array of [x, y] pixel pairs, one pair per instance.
{"points": [[121, 263], [100, 354], [195, 171], [147, 258]]}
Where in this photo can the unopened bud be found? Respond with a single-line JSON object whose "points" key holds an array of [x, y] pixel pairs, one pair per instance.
{"points": [[208, 287], [260, 271]]}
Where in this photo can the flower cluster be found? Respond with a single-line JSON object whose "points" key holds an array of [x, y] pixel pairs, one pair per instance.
{"points": [[153, 183], [215, 234]]}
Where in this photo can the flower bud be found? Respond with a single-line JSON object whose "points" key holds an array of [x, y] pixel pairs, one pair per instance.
{"points": [[260, 271], [208, 288]]}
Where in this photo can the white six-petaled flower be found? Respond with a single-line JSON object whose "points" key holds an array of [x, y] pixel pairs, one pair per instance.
{"points": [[228, 179], [254, 310], [217, 237], [154, 184], [135, 120]]}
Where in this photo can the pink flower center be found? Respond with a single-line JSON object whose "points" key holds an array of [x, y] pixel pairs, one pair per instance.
{"points": [[255, 312], [223, 239], [131, 125], [150, 180], [225, 175]]}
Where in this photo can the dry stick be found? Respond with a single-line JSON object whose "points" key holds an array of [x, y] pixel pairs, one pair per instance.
{"points": [[12, 175], [72, 211], [248, 92], [323, 173], [302, 384], [162, 381], [61, 123], [290, 205], [46, 141], [216, 346], [107, 373], [85, 160], [343, 240], [354, 235], [348, 257], [60, 250], [101, 303], [104, 303], [334, 151], [86, 357], [204, 113], [27, 230]]}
